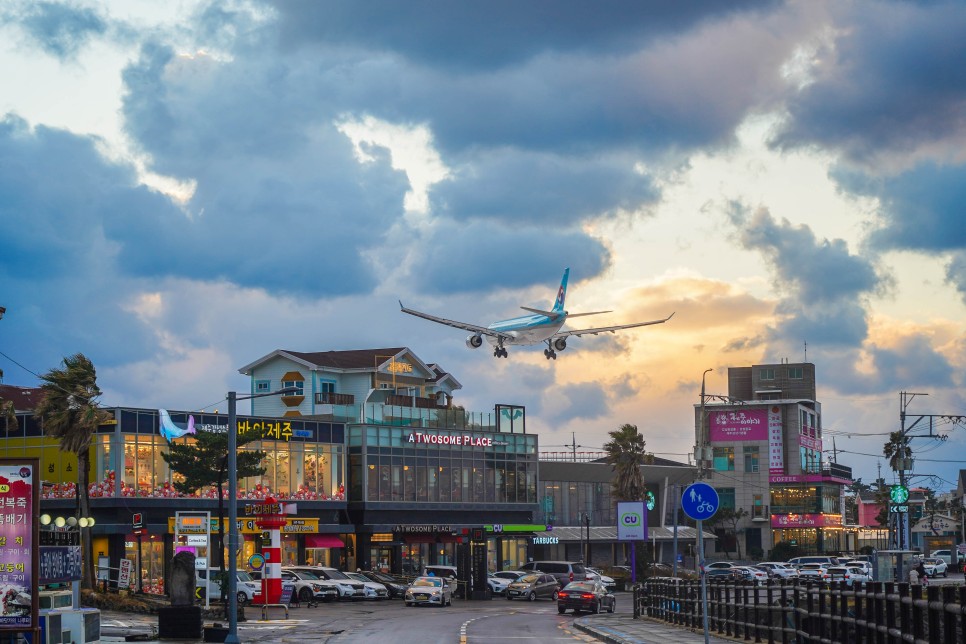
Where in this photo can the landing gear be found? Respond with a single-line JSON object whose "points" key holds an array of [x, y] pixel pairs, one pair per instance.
{"points": [[549, 353], [500, 352]]}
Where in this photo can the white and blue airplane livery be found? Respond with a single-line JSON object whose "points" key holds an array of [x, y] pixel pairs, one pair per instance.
{"points": [[538, 327]]}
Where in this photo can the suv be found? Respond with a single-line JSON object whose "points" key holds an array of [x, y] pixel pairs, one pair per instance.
{"points": [[798, 562], [564, 571], [309, 586], [246, 586], [346, 586]]}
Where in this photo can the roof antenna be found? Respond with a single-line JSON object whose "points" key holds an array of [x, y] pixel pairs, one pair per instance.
{"points": [[806, 350]]}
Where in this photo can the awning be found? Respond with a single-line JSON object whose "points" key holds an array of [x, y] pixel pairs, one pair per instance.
{"points": [[323, 541]]}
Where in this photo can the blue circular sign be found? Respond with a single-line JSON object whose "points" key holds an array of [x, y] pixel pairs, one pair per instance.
{"points": [[700, 501]]}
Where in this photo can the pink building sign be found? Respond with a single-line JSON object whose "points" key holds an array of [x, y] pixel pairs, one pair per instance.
{"points": [[743, 425]]}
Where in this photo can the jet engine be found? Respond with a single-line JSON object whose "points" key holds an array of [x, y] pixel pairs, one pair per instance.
{"points": [[560, 344], [474, 341]]}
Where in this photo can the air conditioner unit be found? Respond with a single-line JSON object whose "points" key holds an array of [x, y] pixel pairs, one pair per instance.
{"points": [[81, 625], [51, 628], [53, 599]]}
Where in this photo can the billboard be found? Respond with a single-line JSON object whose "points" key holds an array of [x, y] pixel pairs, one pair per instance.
{"points": [[19, 536], [776, 446], [739, 425], [631, 521]]}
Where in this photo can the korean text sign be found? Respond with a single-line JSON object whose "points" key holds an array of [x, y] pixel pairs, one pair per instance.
{"points": [[18, 538]]}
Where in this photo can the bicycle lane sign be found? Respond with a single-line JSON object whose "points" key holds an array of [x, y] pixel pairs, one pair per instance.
{"points": [[700, 501]]}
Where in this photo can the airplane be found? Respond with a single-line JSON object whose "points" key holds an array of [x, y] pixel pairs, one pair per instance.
{"points": [[541, 326]]}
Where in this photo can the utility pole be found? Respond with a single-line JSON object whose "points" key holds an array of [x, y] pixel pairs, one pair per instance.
{"points": [[700, 444]]}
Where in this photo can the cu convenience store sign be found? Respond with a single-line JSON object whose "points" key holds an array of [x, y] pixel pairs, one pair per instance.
{"points": [[19, 537]]}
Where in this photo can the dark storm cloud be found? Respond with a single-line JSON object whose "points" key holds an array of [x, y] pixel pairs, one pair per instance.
{"points": [[581, 401], [61, 30], [479, 256], [493, 34], [956, 273], [281, 201], [818, 271], [894, 83], [554, 190]]}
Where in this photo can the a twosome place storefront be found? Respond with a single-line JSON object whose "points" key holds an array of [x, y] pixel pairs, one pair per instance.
{"points": [[416, 493]]}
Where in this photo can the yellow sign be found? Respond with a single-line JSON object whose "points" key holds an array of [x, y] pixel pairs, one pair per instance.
{"points": [[400, 367], [249, 526]]}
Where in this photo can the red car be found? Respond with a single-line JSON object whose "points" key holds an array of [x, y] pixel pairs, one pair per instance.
{"points": [[589, 596]]}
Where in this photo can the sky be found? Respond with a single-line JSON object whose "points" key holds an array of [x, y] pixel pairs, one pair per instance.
{"points": [[188, 186]]}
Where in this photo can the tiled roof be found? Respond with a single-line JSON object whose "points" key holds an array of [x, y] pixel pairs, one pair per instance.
{"points": [[23, 398], [354, 359]]}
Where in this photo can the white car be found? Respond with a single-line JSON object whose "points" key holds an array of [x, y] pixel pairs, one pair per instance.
{"points": [[434, 591], [779, 570], [246, 586], [935, 567], [309, 586], [866, 566], [374, 590], [714, 565], [945, 555], [498, 584], [813, 572], [760, 577], [594, 573], [848, 574]]}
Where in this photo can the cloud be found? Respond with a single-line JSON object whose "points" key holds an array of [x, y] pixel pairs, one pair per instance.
{"points": [[890, 89], [60, 30]]}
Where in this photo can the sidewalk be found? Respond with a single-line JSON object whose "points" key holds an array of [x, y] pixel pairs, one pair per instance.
{"points": [[624, 629]]}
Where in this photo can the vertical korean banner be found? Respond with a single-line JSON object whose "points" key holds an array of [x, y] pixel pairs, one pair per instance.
{"points": [[776, 447], [19, 536]]}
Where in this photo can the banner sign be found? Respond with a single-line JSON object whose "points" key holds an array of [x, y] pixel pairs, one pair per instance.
{"points": [[631, 521], [805, 520], [19, 549], [124, 573], [59, 564], [776, 447], [743, 425], [247, 526]]}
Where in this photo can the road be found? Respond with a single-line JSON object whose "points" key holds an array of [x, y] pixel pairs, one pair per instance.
{"points": [[520, 622]]}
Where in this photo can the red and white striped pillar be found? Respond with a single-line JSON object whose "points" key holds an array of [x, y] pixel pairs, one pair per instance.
{"points": [[272, 573]]}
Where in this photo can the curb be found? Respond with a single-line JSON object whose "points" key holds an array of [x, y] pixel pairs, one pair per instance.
{"points": [[603, 634]]}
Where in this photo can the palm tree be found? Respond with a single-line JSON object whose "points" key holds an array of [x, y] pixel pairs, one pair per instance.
{"points": [[626, 454], [70, 413], [898, 452]]}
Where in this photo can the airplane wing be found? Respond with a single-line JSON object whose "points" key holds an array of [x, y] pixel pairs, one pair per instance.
{"points": [[607, 329], [466, 326]]}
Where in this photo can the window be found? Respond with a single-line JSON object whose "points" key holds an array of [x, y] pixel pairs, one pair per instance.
{"points": [[766, 374], [795, 373], [724, 459], [726, 497], [327, 386], [298, 384], [751, 459], [757, 506]]}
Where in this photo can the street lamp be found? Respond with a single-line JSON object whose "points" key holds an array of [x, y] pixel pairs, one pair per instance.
{"points": [[699, 442], [233, 398]]}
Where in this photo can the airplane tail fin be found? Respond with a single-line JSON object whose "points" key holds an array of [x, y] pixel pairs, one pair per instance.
{"points": [[558, 305]]}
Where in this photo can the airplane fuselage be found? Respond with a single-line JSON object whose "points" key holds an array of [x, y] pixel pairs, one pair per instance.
{"points": [[527, 329]]}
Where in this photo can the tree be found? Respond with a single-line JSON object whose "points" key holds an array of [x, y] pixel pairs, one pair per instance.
{"points": [[626, 455], [70, 413], [897, 450], [204, 461], [729, 518]]}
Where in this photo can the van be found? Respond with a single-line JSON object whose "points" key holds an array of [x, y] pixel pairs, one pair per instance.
{"points": [[564, 571], [813, 559]]}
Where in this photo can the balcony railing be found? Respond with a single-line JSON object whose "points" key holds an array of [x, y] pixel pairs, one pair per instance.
{"points": [[412, 401], [330, 398]]}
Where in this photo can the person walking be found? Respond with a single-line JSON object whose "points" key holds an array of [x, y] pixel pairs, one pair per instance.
{"points": [[923, 575], [913, 576]]}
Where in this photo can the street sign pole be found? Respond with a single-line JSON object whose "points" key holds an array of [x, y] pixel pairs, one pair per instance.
{"points": [[704, 584], [700, 501]]}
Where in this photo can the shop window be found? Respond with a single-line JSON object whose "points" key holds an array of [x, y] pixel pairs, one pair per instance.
{"points": [[724, 459]]}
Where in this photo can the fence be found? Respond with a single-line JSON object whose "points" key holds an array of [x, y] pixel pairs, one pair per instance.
{"points": [[806, 612]]}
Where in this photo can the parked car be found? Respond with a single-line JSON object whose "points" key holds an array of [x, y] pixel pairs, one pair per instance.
{"points": [[718, 565], [935, 567], [511, 575], [608, 582], [866, 566], [348, 588], [564, 571], [750, 573], [590, 596], [210, 585], [813, 572], [393, 585], [798, 562], [779, 570], [373, 589], [945, 555], [723, 573], [433, 591], [534, 586], [848, 574], [309, 586]]}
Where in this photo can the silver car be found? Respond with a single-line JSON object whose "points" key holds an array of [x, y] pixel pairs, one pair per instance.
{"points": [[434, 591]]}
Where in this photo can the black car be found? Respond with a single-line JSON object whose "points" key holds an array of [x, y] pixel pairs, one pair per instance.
{"points": [[729, 574], [394, 586], [590, 596]]}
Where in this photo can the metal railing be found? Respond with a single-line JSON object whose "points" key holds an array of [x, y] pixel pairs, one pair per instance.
{"points": [[804, 612]]}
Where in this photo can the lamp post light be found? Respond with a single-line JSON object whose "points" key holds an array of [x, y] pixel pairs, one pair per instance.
{"points": [[233, 398], [700, 444]]}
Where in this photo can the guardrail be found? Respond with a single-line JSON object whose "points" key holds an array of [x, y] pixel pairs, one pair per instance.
{"points": [[803, 612]]}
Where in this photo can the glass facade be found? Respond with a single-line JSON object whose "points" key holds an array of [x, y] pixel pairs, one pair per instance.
{"points": [[397, 464], [566, 502], [806, 499]]}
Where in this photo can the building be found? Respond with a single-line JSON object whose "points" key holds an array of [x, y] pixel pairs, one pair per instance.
{"points": [[762, 450]]}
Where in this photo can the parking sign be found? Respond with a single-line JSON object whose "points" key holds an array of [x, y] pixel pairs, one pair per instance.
{"points": [[631, 521]]}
